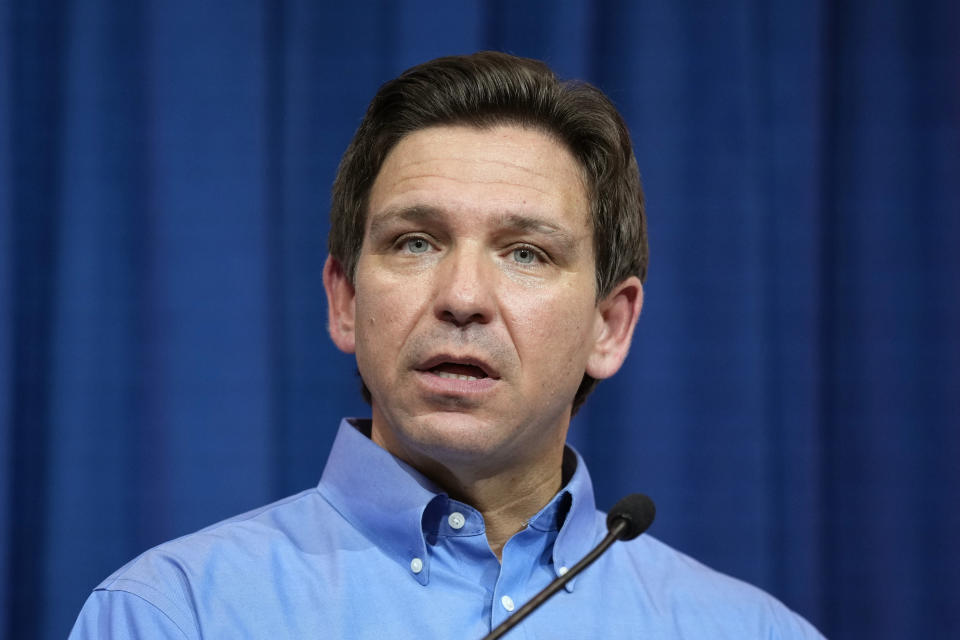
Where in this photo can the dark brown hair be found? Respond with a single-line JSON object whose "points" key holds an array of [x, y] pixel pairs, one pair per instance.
{"points": [[488, 89]]}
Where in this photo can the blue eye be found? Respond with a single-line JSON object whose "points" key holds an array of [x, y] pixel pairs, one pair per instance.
{"points": [[524, 255], [417, 245]]}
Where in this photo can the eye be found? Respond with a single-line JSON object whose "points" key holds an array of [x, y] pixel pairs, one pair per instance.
{"points": [[525, 255], [416, 244]]}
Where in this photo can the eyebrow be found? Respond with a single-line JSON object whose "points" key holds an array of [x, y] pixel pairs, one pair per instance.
{"points": [[418, 214], [533, 224], [510, 221]]}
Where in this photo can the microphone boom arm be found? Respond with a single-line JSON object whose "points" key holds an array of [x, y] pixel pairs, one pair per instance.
{"points": [[616, 530]]}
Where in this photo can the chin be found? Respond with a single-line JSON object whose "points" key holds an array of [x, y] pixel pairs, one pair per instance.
{"points": [[455, 436]]}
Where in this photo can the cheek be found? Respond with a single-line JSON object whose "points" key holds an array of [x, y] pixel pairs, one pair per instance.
{"points": [[555, 332], [373, 323], [386, 313], [370, 307], [378, 299]]}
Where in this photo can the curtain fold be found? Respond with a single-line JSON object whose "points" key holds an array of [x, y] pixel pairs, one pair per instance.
{"points": [[790, 401]]}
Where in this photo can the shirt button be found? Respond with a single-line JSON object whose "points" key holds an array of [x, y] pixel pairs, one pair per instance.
{"points": [[416, 565], [562, 570], [507, 603], [456, 520]]}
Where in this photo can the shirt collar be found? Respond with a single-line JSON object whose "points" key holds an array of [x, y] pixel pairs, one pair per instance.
{"points": [[575, 509], [385, 499], [379, 494]]}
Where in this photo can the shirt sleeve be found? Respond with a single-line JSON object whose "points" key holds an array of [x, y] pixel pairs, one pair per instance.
{"points": [[121, 615]]}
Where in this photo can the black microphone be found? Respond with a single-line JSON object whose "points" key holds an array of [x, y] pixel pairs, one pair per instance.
{"points": [[628, 519]]}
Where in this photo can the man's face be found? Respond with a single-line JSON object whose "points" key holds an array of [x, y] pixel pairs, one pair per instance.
{"points": [[473, 312]]}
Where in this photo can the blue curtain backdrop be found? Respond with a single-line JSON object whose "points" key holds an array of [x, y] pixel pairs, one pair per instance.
{"points": [[791, 400]]}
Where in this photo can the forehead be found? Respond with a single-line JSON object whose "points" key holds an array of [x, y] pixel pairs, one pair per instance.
{"points": [[504, 170]]}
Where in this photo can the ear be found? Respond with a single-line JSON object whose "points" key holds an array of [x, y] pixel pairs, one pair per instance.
{"points": [[341, 307], [616, 317]]}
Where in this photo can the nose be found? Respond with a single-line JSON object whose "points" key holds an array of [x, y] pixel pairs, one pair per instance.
{"points": [[463, 293]]}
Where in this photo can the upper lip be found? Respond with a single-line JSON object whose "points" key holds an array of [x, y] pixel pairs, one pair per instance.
{"points": [[441, 358]]}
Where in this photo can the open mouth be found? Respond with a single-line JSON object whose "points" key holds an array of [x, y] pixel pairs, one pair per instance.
{"points": [[455, 371], [459, 367]]}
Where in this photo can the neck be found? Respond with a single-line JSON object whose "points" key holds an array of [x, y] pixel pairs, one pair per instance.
{"points": [[507, 503], [506, 489], [507, 498]]}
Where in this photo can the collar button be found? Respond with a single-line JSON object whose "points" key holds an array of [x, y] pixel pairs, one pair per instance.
{"points": [[416, 565], [456, 520]]}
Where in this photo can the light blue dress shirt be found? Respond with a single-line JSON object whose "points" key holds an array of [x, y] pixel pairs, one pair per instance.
{"points": [[378, 551]]}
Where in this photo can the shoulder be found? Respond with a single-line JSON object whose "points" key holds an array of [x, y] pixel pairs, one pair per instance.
{"points": [[691, 594], [241, 537], [217, 562]]}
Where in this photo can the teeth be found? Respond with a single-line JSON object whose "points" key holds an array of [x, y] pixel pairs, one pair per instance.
{"points": [[454, 376]]}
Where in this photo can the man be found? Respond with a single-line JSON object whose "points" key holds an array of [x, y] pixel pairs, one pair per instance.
{"points": [[487, 254]]}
